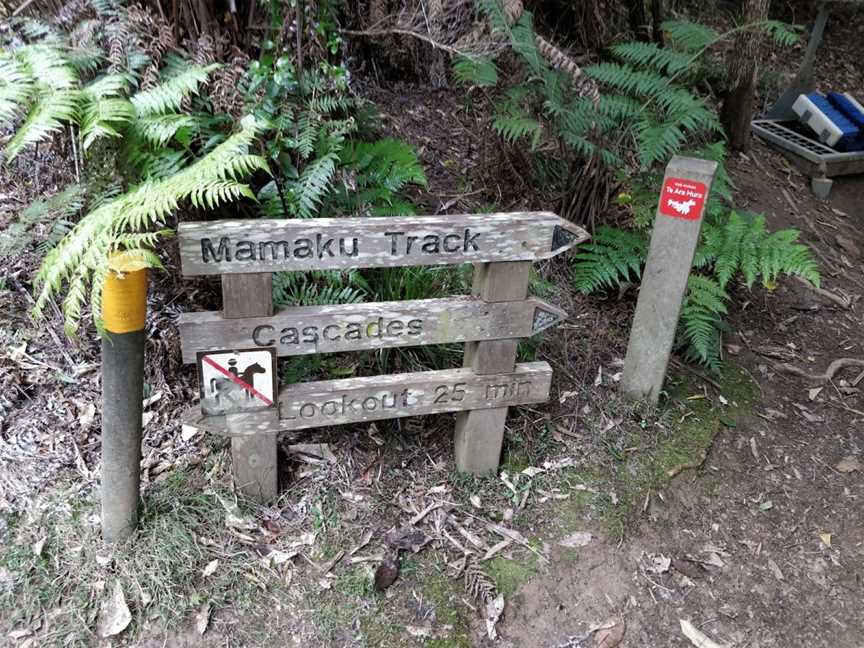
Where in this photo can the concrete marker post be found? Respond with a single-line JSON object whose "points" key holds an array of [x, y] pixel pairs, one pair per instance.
{"points": [[124, 310], [683, 201]]}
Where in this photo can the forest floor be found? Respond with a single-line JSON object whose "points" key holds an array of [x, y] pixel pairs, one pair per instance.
{"points": [[738, 505]]}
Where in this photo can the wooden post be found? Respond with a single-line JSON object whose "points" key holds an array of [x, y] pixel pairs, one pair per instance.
{"points": [[480, 433], [124, 311], [255, 458], [683, 200]]}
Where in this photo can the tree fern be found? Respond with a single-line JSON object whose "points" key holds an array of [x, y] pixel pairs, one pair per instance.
{"points": [[134, 221]]}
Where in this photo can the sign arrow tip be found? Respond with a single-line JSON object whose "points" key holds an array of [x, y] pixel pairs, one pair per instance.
{"points": [[566, 236], [546, 316]]}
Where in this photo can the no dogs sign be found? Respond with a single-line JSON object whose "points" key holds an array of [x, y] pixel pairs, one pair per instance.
{"points": [[683, 199], [237, 381]]}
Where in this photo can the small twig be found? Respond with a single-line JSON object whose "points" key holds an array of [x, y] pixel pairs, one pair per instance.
{"points": [[695, 464], [833, 368], [842, 302], [74, 154]]}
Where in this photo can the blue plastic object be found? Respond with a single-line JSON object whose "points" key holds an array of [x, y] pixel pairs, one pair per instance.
{"points": [[849, 139], [848, 106]]}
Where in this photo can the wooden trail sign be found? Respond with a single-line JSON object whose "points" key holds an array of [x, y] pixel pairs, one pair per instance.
{"points": [[683, 200], [306, 330], [260, 245], [490, 322], [353, 400]]}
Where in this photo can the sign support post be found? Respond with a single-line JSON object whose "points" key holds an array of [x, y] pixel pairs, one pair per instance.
{"points": [[124, 309], [683, 200], [479, 434], [255, 458]]}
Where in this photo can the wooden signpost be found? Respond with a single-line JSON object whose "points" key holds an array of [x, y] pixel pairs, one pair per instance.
{"points": [[683, 200], [490, 321]]}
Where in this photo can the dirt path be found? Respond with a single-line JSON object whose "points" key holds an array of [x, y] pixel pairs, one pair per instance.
{"points": [[766, 541]]}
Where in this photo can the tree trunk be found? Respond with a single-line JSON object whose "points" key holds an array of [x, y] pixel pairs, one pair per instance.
{"points": [[737, 111]]}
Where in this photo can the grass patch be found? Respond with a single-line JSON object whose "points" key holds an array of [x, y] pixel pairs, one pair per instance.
{"points": [[657, 444], [160, 568]]}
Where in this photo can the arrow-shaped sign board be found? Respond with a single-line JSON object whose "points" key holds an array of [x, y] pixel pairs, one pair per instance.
{"points": [[306, 330], [352, 400], [261, 245]]}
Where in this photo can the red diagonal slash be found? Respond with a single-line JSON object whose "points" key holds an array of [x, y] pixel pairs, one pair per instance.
{"points": [[237, 380]]}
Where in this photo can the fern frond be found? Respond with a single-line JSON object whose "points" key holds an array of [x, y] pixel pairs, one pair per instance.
{"points": [[475, 71], [16, 88], [783, 34], [170, 94], [650, 55], [688, 36], [128, 221], [158, 130], [701, 320], [610, 258], [49, 115], [48, 66]]}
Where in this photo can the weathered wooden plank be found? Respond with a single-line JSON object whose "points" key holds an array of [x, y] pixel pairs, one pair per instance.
{"points": [[261, 245], [307, 330], [479, 434], [247, 295], [352, 400], [254, 465]]}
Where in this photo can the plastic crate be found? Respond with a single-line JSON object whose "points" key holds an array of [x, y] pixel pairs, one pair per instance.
{"points": [[831, 126]]}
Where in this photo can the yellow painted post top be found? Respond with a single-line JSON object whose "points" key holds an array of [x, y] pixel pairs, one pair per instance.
{"points": [[124, 296]]}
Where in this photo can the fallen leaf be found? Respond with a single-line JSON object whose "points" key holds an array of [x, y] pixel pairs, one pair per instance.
{"points": [[813, 393], [20, 633], [88, 414], [202, 618], [409, 538], [234, 518], [146, 417], [475, 501], [775, 569], [114, 614], [848, 464], [767, 505], [38, 546], [697, 637], [313, 452], [187, 432], [386, 574], [494, 550], [610, 634], [825, 538], [655, 564], [421, 632], [577, 539], [494, 609], [533, 471], [210, 569]]}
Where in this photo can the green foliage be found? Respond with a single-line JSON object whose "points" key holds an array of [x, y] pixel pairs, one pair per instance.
{"points": [[376, 173], [52, 214], [134, 221], [702, 320], [610, 258], [475, 71], [742, 245]]}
